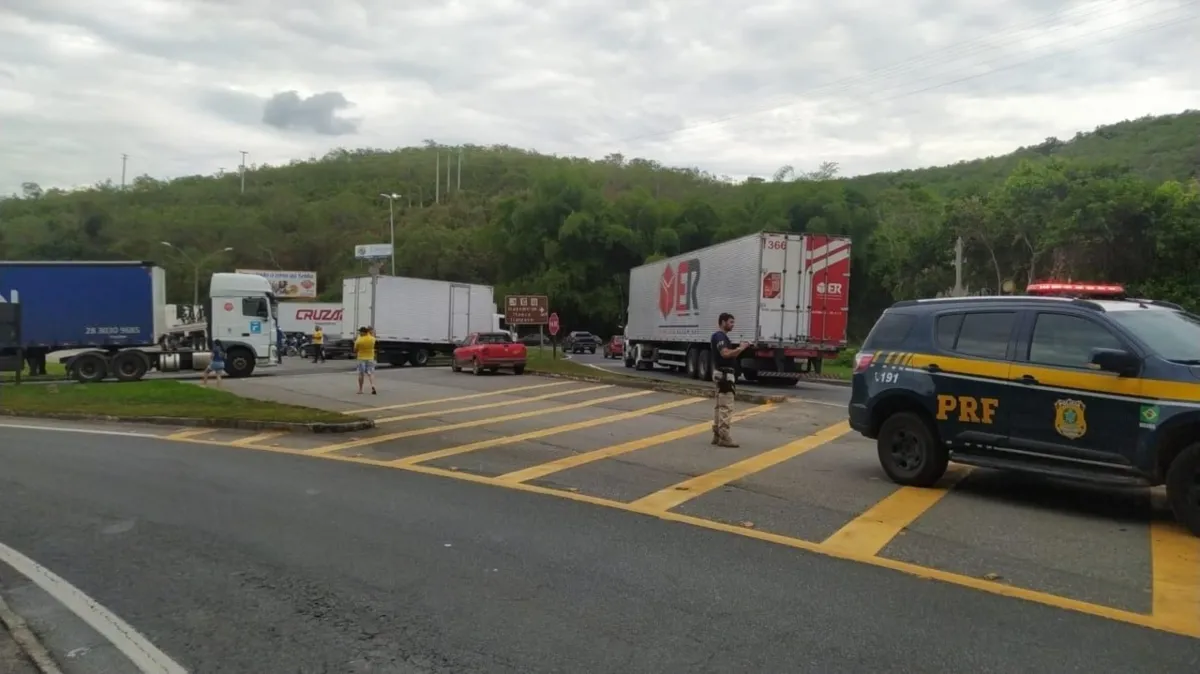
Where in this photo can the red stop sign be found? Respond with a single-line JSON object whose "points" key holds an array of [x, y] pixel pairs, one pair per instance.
{"points": [[553, 324]]}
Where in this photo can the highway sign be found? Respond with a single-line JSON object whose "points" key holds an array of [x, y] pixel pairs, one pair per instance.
{"points": [[526, 309]]}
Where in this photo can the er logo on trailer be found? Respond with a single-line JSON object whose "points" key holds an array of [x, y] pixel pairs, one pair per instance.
{"points": [[829, 289], [679, 288], [229, 306], [772, 285]]}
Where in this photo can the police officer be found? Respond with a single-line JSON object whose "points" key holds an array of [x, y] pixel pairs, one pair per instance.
{"points": [[725, 356]]}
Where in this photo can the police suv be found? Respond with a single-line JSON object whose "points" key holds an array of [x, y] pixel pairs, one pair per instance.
{"points": [[1072, 380]]}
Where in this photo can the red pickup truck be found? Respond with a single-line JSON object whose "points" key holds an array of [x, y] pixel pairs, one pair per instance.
{"points": [[489, 351]]}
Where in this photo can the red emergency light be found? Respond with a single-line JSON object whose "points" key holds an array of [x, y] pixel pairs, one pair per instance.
{"points": [[1080, 290]]}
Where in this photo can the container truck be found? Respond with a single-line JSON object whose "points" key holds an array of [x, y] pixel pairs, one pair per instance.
{"points": [[112, 315], [789, 295], [414, 319]]}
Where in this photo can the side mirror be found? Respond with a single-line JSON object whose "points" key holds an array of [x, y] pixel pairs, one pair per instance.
{"points": [[1121, 362]]}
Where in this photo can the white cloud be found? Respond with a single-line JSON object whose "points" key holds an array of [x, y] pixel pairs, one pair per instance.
{"points": [[734, 88]]}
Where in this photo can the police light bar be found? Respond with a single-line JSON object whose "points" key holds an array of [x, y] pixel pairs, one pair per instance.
{"points": [[1081, 290]]}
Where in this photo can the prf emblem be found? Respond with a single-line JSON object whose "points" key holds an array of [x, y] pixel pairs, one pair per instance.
{"points": [[1069, 420], [969, 410]]}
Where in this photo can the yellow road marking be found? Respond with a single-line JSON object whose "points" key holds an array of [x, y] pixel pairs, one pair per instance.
{"points": [[574, 461], [190, 433], [915, 570], [1175, 557], [681, 493], [487, 406], [255, 439], [531, 435], [374, 440], [870, 532], [451, 399]]}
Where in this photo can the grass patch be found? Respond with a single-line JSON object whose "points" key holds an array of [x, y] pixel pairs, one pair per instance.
{"points": [[53, 371], [154, 399], [542, 360]]}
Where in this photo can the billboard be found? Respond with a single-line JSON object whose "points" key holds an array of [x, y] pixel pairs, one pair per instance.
{"points": [[368, 251], [288, 285], [526, 309]]}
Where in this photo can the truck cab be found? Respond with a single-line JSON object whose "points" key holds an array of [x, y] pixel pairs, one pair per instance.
{"points": [[244, 315]]}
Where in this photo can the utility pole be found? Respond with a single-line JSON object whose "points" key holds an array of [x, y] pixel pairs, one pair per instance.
{"points": [[244, 153], [458, 185], [124, 161], [196, 268], [392, 225], [437, 179], [958, 262], [447, 176]]}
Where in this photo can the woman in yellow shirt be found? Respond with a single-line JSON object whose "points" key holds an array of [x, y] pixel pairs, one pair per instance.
{"points": [[364, 351]]}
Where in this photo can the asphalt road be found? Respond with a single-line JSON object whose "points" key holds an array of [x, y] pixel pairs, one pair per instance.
{"points": [[241, 561], [814, 390]]}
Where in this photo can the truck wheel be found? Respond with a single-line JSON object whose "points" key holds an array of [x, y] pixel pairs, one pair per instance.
{"points": [[592, 350], [419, 358], [909, 451], [475, 368], [693, 363], [705, 364], [130, 365], [518, 369], [90, 368], [239, 363], [1183, 488]]}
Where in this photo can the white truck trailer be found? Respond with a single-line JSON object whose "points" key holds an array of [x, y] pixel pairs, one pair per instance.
{"points": [[414, 319], [303, 317], [789, 295]]}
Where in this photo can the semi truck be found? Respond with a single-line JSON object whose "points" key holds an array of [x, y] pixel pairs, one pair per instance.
{"points": [[302, 317], [112, 317], [414, 319], [789, 295]]}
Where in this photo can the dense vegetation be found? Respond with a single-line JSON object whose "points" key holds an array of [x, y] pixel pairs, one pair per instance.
{"points": [[1121, 204]]}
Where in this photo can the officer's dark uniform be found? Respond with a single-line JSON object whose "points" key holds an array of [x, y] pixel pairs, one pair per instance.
{"points": [[724, 376]]}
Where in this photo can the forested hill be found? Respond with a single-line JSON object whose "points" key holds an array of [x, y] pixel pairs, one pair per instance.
{"points": [[1120, 203]]}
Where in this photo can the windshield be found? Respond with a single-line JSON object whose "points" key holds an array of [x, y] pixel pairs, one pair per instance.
{"points": [[1173, 335], [494, 338]]}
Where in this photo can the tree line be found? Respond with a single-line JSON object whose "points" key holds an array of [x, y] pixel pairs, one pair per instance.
{"points": [[1119, 204]]}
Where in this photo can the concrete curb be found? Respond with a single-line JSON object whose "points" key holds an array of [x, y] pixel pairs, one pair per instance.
{"points": [[233, 424], [828, 379], [27, 641], [665, 387]]}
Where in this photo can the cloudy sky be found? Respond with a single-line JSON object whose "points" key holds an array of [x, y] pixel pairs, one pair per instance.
{"points": [[736, 88]]}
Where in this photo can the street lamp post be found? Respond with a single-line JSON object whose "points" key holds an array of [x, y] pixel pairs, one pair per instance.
{"points": [[195, 268], [392, 223]]}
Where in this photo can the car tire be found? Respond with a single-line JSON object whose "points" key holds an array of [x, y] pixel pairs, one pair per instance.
{"points": [[1183, 487], [454, 366], [910, 452], [476, 369], [518, 369]]}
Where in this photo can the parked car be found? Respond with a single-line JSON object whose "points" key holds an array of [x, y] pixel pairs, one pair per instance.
{"points": [[580, 341], [615, 347], [489, 351]]}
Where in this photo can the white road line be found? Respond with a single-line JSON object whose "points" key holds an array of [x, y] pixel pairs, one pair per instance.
{"points": [[141, 652], [72, 429]]}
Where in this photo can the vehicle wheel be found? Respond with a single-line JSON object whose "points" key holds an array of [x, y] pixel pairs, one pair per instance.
{"points": [[1183, 488], [475, 368], [90, 368], [910, 452], [629, 361], [239, 362], [693, 363], [750, 376], [705, 364], [518, 369], [454, 366], [130, 366], [419, 358], [592, 350]]}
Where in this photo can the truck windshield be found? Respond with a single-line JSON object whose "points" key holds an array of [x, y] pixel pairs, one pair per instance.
{"points": [[1173, 335]]}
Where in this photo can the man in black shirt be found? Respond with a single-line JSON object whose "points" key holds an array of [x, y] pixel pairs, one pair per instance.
{"points": [[725, 356]]}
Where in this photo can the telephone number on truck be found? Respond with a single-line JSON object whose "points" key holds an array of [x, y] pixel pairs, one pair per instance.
{"points": [[113, 330]]}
